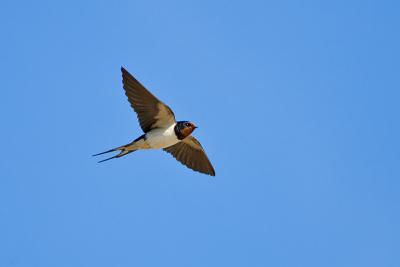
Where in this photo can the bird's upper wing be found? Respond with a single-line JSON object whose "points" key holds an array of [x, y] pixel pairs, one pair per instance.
{"points": [[151, 112], [190, 153]]}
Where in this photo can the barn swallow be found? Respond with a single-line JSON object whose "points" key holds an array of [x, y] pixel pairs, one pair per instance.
{"points": [[161, 130]]}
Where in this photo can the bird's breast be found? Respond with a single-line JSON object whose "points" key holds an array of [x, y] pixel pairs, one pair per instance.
{"points": [[161, 137]]}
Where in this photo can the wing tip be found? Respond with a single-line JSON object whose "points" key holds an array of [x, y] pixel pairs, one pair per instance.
{"points": [[211, 172]]}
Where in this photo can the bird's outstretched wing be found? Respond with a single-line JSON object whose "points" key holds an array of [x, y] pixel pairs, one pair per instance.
{"points": [[190, 153], [151, 112]]}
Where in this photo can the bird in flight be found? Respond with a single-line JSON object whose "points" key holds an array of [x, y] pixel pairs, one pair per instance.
{"points": [[161, 130]]}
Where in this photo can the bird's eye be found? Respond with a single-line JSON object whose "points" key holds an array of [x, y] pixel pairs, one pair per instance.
{"points": [[187, 124]]}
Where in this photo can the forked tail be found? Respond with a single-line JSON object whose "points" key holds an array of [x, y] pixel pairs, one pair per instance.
{"points": [[124, 151]]}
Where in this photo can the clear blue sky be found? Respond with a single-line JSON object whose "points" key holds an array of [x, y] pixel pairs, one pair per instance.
{"points": [[298, 108]]}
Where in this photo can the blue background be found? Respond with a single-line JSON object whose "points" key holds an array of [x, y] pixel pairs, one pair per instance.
{"points": [[298, 108]]}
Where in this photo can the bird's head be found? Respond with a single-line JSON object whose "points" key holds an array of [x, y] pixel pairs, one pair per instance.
{"points": [[185, 128]]}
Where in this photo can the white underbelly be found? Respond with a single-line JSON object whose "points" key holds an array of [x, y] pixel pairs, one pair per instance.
{"points": [[161, 138]]}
